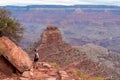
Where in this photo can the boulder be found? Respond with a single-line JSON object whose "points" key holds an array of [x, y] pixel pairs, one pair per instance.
{"points": [[64, 75], [26, 74], [14, 55], [46, 65]]}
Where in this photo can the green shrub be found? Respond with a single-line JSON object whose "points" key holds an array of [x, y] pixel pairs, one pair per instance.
{"points": [[9, 26], [99, 78], [87, 77], [55, 64], [79, 73]]}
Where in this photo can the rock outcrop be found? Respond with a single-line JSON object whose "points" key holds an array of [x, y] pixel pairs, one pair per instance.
{"points": [[52, 42], [51, 36], [13, 55]]}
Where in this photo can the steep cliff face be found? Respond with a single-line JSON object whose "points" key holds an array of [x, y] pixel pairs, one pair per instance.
{"points": [[52, 43], [51, 36]]}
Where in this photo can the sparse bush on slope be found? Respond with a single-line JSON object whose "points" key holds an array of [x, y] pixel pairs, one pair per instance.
{"points": [[9, 26]]}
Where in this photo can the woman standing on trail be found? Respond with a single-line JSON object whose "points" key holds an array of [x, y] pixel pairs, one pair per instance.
{"points": [[36, 58]]}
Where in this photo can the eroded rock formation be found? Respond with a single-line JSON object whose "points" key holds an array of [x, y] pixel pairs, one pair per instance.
{"points": [[52, 42], [51, 36]]}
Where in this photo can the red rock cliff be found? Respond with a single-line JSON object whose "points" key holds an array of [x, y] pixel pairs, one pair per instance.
{"points": [[51, 35], [52, 43]]}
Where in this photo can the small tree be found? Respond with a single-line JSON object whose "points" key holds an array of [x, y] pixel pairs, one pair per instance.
{"points": [[9, 26]]}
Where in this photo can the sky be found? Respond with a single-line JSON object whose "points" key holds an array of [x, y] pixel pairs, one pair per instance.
{"points": [[58, 2]]}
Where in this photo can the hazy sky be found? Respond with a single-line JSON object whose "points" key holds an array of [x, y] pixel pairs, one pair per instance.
{"points": [[58, 2]]}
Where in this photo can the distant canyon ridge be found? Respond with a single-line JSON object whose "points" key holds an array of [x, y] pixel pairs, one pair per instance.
{"points": [[80, 24]]}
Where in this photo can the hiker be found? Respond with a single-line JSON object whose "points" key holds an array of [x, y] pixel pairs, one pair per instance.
{"points": [[36, 58]]}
